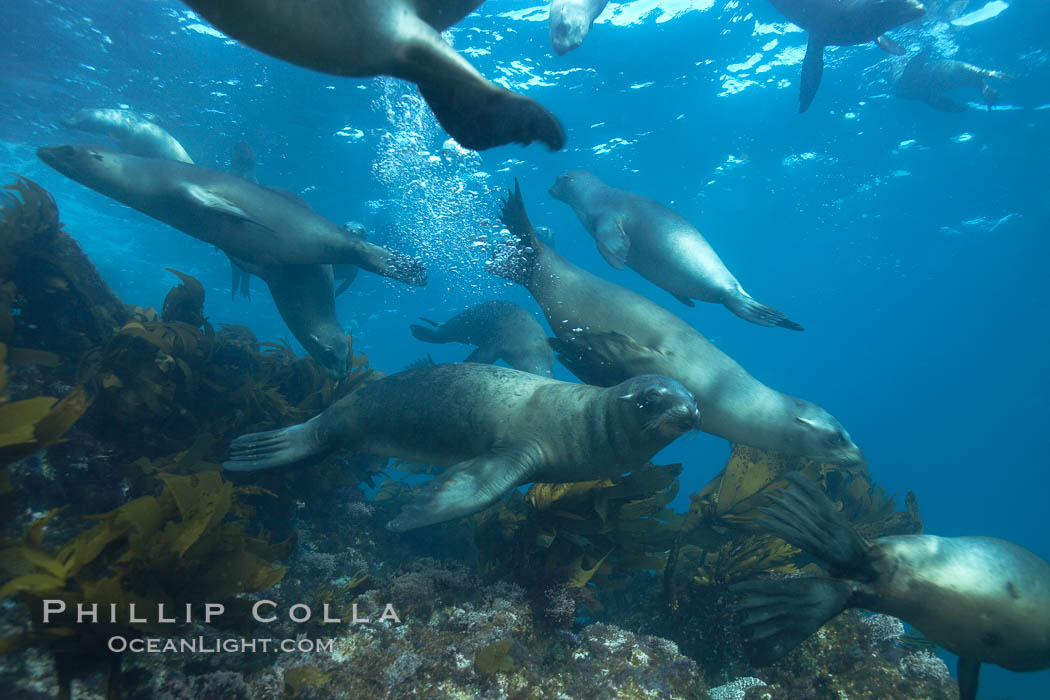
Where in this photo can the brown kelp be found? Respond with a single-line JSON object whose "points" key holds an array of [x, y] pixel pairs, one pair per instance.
{"points": [[187, 546]]}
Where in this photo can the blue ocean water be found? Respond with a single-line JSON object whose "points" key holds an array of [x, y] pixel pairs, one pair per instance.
{"points": [[910, 243]]}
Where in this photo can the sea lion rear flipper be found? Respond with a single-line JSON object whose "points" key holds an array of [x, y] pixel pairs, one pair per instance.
{"points": [[474, 111], [968, 672], [273, 448], [889, 45], [781, 614], [812, 70], [749, 309], [603, 359], [466, 488], [344, 286], [613, 243], [430, 334], [516, 259], [805, 517], [240, 281], [483, 355]]}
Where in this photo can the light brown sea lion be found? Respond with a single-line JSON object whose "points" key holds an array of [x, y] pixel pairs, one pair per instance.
{"points": [[399, 38], [494, 428], [660, 245], [606, 333], [570, 22], [133, 133], [983, 598], [501, 330], [260, 225]]}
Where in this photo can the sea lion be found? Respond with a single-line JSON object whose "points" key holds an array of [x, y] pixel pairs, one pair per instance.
{"points": [[501, 330], [571, 20], [260, 225], [606, 333], [843, 23], [133, 133], [399, 38], [495, 428], [344, 272], [304, 298], [930, 80], [242, 164], [983, 598], [654, 241]]}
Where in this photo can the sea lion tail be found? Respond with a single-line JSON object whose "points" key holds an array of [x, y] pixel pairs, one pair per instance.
{"points": [[273, 448], [804, 517], [480, 115], [516, 258], [778, 615], [755, 311]]}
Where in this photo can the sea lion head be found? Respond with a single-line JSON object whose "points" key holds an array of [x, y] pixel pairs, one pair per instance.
{"points": [[242, 158], [565, 187], [661, 405], [569, 25], [818, 435], [96, 167], [330, 351]]}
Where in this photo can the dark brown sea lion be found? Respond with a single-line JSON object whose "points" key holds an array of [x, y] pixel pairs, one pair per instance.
{"points": [[399, 38], [929, 81], [494, 428]]}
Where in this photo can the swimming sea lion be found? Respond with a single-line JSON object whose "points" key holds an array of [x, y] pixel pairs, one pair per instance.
{"points": [[983, 598], [571, 20], [495, 428], [399, 38], [930, 80], [844, 23], [260, 225], [133, 133], [637, 232], [304, 298], [606, 333], [242, 164], [501, 330]]}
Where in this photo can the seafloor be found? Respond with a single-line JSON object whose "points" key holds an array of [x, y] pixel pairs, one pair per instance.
{"points": [[114, 496]]}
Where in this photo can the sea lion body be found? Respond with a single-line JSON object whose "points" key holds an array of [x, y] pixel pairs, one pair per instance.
{"points": [[843, 23], [983, 598], [500, 330], [929, 81], [134, 133], [660, 245], [570, 22], [495, 428], [399, 38], [606, 333], [260, 225]]}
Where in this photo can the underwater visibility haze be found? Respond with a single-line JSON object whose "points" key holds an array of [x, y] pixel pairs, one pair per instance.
{"points": [[796, 261]]}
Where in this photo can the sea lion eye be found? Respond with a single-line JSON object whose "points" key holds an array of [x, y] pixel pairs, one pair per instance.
{"points": [[96, 156], [653, 395]]}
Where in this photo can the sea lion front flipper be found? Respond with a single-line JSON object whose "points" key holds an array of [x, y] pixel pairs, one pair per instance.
{"points": [[889, 45], [781, 614], [968, 672], [605, 359], [212, 201], [613, 243], [466, 488], [812, 70], [685, 300], [474, 111], [344, 286], [483, 355]]}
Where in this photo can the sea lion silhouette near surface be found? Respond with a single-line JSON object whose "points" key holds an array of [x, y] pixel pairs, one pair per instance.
{"points": [[606, 333], [501, 330], [494, 428], [982, 598], [929, 81], [570, 22], [660, 245], [133, 133], [843, 23], [260, 225], [399, 38]]}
